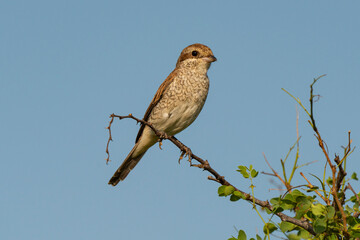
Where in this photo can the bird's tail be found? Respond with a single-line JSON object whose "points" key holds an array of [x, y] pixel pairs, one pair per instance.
{"points": [[125, 168]]}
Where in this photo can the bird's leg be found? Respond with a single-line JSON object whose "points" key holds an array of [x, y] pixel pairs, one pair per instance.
{"points": [[185, 151], [189, 154], [161, 137]]}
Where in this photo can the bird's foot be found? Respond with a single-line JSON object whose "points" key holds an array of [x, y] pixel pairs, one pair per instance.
{"points": [[186, 152], [161, 137]]}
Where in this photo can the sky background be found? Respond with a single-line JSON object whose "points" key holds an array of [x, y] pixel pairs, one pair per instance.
{"points": [[66, 65]]}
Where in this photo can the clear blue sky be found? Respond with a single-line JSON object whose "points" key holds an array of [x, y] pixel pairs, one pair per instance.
{"points": [[66, 65]]}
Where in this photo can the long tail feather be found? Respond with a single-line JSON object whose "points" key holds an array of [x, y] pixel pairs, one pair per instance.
{"points": [[125, 168]]}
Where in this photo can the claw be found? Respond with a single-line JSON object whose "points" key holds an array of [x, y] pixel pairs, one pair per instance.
{"points": [[181, 156], [189, 153], [186, 152]]}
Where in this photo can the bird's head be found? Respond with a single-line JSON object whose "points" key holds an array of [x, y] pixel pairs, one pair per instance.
{"points": [[197, 55]]}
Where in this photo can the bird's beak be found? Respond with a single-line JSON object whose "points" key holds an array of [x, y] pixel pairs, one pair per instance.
{"points": [[209, 59]]}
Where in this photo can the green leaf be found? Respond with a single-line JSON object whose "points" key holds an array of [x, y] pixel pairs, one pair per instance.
{"points": [[355, 235], [236, 195], [243, 171], [290, 197], [356, 206], [239, 194], [228, 190], [353, 199], [320, 225], [330, 212], [297, 195], [275, 201], [321, 237], [329, 181], [234, 198], [352, 221], [269, 228], [277, 204], [356, 227], [232, 238], [318, 209], [221, 191], [354, 176], [314, 188], [333, 237], [277, 210], [286, 227], [258, 237], [293, 237], [303, 234], [322, 184], [245, 174], [242, 235], [287, 205], [267, 211], [302, 207], [254, 173], [241, 168]]}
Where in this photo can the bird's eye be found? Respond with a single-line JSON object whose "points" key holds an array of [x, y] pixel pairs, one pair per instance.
{"points": [[194, 53]]}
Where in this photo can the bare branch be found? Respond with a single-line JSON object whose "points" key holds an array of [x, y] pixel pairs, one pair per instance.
{"points": [[110, 139]]}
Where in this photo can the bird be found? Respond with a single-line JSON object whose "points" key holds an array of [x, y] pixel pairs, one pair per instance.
{"points": [[176, 104]]}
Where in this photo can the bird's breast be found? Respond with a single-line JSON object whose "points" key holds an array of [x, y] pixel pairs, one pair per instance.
{"points": [[181, 103]]}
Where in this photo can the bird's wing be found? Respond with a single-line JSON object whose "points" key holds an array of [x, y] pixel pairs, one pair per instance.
{"points": [[158, 95]]}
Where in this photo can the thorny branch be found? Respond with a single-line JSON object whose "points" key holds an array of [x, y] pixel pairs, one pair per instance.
{"points": [[204, 164], [334, 192]]}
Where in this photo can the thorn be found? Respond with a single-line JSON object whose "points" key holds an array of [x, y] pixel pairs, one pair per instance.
{"points": [[201, 165]]}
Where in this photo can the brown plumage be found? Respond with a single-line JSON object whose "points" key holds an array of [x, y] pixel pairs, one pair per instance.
{"points": [[176, 104]]}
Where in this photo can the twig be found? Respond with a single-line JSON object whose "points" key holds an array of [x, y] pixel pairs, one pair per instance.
{"points": [[276, 174], [110, 139], [306, 164], [312, 101], [270, 174], [327, 201], [356, 214], [350, 187], [341, 173], [297, 147]]}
